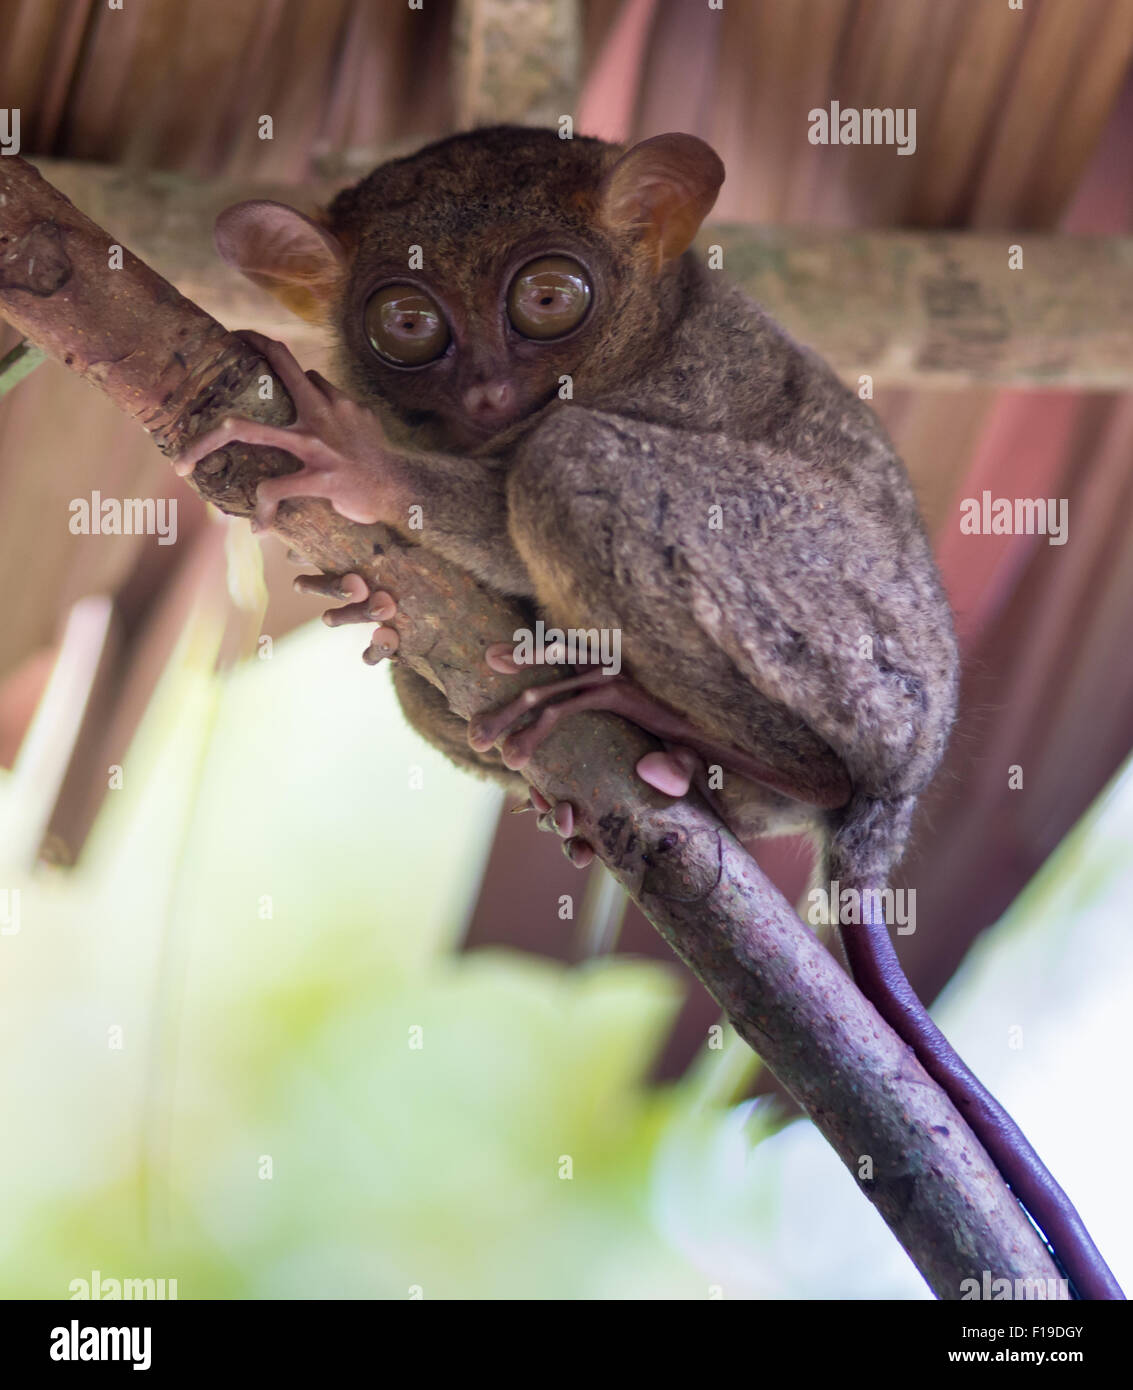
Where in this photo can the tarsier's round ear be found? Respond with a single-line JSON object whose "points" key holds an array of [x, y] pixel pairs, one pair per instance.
{"points": [[284, 252], [662, 189]]}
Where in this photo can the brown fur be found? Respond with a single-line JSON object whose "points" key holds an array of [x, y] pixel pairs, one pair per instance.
{"points": [[810, 626], [806, 628]]}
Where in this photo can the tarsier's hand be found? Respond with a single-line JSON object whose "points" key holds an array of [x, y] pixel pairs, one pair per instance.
{"points": [[341, 444], [362, 606]]}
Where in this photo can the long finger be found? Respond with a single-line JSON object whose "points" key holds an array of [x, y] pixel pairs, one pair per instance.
{"points": [[328, 388], [379, 607], [347, 587], [231, 431], [384, 643], [308, 399], [308, 482]]}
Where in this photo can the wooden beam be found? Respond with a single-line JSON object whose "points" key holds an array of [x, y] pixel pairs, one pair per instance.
{"points": [[935, 310], [515, 61], [945, 309]]}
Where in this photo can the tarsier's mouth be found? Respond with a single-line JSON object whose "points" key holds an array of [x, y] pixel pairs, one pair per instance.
{"points": [[483, 427], [480, 429]]}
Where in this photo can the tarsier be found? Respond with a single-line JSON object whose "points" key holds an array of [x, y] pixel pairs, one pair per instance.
{"points": [[593, 422]]}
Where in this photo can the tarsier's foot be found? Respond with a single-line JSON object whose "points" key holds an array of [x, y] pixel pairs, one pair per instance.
{"points": [[560, 818], [362, 606], [670, 772], [484, 729], [339, 443]]}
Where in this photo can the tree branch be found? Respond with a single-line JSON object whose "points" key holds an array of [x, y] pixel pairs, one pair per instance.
{"points": [[177, 371]]}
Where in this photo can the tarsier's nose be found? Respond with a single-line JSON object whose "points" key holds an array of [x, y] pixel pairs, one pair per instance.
{"points": [[489, 400]]}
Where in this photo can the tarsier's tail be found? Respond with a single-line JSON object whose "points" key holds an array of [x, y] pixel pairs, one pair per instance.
{"points": [[859, 854]]}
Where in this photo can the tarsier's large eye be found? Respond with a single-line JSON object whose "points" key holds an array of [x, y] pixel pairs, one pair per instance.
{"points": [[548, 297], [405, 326]]}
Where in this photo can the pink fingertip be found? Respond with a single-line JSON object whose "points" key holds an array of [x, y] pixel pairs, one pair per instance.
{"points": [[664, 774], [354, 587], [383, 644], [386, 640], [476, 740], [512, 760], [383, 606], [500, 657], [580, 854]]}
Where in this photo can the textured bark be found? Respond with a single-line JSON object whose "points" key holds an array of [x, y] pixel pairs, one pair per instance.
{"points": [[175, 370]]}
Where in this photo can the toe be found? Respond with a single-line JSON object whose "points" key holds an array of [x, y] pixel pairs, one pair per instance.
{"points": [[383, 644], [670, 773], [382, 606], [352, 613], [579, 852], [350, 588], [513, 752], [500, 657]]}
